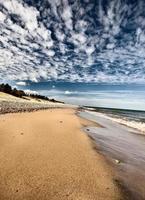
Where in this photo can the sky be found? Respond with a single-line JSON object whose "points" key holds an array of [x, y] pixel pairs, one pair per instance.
{"points": [[75, 43]]}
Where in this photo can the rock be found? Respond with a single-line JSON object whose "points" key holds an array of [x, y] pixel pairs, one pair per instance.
{"points": [[117, 161]]}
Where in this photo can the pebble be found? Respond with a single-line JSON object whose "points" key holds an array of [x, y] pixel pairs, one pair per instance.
{"points": [[117, 161]]}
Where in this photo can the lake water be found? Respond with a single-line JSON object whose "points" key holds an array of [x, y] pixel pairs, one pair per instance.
{"points": [[131, 118]]}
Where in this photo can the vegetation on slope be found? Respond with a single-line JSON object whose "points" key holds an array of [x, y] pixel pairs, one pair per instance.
{"points": [[6, 88]]}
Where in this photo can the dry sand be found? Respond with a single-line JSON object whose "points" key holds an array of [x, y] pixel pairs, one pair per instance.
{"points": [[44, 155], [12, 104]]}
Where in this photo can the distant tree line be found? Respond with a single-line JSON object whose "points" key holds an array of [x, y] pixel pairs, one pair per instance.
{"points": [[8, 89], [38, 96], [20, 93]]}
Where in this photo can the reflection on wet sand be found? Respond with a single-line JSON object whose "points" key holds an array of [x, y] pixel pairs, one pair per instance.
{"points": [[124, 147]]}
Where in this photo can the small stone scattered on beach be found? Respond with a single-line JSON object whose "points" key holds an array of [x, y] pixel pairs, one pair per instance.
{"points": [[117, 161], [22, 133], [61, 121], [88, 129]]}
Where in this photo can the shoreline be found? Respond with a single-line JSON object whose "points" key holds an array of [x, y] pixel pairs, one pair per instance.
{"points": [[125, 190], [77, 139], [127, 162], [138, 127]]}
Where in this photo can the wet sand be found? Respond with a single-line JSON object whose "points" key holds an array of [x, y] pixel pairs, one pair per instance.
{"points": [[126, 149], [45, 155]]}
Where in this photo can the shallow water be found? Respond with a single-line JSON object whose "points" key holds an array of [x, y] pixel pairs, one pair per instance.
{"points": [[121, 143], [132, 118]]}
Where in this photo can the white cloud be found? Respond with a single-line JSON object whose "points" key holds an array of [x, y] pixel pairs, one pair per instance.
{"points": [[110, 46], [64, 42], [21, 83], [78, 38], [67, 92], [2, 17], [50, 53], [67, 15], [60, 35], [28, 14], [90, 50], [31, 92]]}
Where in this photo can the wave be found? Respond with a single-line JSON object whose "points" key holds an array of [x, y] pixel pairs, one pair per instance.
{"points": [[140, 126], [137, 125]]}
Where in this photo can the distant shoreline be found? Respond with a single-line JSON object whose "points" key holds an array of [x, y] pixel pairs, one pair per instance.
{"points": [[115, 109]]}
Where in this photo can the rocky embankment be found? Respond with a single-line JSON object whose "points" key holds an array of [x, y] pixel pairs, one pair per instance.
{"points": [[13, 106]]}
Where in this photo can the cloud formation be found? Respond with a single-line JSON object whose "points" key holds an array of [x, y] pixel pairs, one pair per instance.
{"points": [[69, 40]]}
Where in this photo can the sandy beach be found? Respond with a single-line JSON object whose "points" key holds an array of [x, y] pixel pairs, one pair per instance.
{"points": [[12, 104], [45, 155]]}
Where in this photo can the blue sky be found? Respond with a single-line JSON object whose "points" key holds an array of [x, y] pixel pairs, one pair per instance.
{"points": [[73, 41]]}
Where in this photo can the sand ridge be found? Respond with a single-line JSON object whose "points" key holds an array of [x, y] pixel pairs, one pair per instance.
{"points": [[45, 155]]}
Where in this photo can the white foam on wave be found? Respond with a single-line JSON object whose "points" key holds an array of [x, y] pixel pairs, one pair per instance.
{"points": [[133, 124], [140, 126]]}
